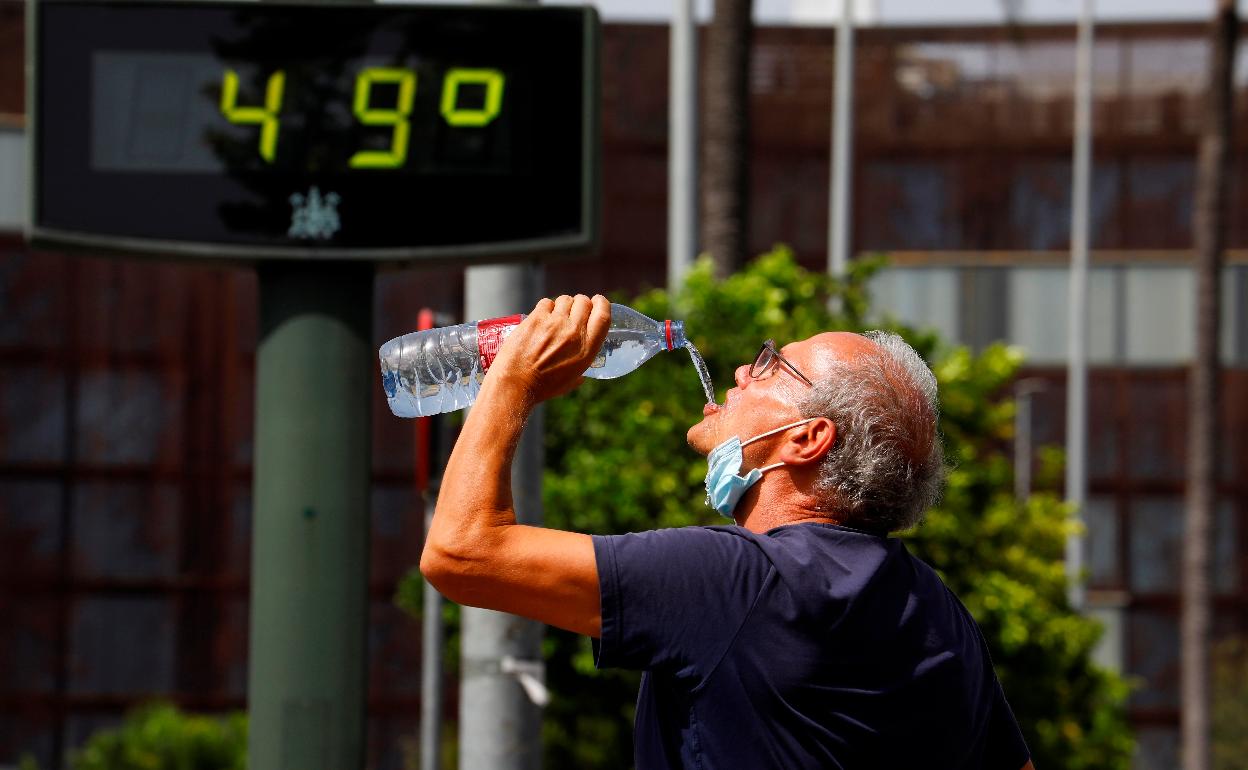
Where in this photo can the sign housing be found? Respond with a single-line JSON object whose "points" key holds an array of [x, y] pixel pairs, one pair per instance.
{"points": [[251, 131]]}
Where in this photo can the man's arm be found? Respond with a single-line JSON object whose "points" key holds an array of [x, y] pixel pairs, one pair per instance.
{"points": [[475, 552]]}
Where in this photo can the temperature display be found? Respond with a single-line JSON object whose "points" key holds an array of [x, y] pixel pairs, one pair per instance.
{"points": [[285, 128]]}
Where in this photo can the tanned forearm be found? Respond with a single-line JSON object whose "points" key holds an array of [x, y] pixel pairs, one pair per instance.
{"points": [[475, 501]]}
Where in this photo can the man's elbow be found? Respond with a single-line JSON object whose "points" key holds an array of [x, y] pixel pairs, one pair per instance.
{"points": [[452, 572], [432, 565], [438, 565]]}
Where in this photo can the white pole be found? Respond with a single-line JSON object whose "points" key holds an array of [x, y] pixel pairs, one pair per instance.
{"points": [[682, 165], [432, 681], [1077, 326], [842, 144], [500, 720]]}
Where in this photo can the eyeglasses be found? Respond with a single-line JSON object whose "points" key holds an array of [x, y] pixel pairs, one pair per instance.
{"points": [[767, 357]]}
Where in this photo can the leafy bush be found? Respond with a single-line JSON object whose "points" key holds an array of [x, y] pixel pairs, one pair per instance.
{"points": [[1230, 703], [160, 737]]}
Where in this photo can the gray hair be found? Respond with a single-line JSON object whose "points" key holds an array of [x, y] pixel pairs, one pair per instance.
{"points": [[887, 465]]}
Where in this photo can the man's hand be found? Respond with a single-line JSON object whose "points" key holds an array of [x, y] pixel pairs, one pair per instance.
{"points": [[547, 355], [475, 552]]}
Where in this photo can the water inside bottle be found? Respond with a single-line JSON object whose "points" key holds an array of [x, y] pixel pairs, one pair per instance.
{"points": [[430, 372], [703, 373], [622, 352]]}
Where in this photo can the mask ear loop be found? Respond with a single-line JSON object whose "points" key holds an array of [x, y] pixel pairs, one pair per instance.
{"points": [[772, 432]]}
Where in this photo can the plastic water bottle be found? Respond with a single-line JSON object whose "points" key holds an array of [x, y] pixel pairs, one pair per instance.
{"points": [[441, 370]]}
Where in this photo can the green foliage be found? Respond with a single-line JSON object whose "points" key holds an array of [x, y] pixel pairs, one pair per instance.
{"points": [[1230, 704], [409, 597], [159, 737], [617, 461]]}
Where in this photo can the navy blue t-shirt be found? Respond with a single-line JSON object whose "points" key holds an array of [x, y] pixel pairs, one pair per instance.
{"points": [[811, 646]]}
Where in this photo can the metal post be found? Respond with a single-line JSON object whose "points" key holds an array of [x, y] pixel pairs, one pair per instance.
{"points": [[431, 679], [432, 637], [1077, 325], [499, 722], [1023, 391], [842, 145], [307, 671], [682, 167]]}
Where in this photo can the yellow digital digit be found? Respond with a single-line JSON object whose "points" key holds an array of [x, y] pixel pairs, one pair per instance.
{"points": [[396, 116], [265, 117], [455, 115]]}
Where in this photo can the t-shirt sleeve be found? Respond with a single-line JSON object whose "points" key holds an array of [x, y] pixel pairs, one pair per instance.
{"points": [[674, 599], [1005, 748]]}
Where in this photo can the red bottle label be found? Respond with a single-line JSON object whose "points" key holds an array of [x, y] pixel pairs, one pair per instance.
{"points": [[490, 336]]}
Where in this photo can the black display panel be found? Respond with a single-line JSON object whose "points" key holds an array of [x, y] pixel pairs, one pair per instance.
{"points": [[276, 130]]}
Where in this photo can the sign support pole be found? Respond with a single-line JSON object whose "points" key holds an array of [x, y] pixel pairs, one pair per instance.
{"points": [[307, 672], [307, 680]]}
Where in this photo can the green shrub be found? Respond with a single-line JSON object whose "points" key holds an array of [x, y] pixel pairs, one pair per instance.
{"points": [[160, 737], [1230, 703]]}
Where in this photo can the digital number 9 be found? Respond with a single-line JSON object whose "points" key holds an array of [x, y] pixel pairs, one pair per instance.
{"points": [[376, 116], [265, 116]]}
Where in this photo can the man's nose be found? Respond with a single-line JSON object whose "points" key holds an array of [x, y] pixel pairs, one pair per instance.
{"points": [[742, 375]]}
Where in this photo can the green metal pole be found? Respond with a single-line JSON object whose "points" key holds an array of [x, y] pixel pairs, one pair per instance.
{"points": [[309, 579]]}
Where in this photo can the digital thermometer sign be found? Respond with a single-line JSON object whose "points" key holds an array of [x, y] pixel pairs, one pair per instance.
{"points": [[261, 130]]}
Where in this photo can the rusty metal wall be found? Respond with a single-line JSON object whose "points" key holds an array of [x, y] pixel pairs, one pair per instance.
{"points": [[1136, 461], [126, 397]]}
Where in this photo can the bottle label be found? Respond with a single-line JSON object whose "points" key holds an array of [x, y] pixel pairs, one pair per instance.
{"points": [[490, 336]]}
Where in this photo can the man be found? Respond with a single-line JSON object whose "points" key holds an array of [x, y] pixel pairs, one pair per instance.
{"points": [[802, 637]]}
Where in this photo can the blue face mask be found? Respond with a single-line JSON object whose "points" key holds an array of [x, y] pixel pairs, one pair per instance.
{"points": [[724, 484]]}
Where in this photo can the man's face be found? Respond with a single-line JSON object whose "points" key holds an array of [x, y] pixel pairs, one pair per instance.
{"points": [[754, 406]]}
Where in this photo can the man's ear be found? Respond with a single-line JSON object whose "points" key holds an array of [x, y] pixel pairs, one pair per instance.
{"points": [[808, 443]]}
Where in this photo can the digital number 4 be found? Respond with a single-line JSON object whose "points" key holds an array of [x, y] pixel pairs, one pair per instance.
{"points": [[265, 116]]}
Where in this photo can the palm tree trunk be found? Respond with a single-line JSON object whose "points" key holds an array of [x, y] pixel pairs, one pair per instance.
{"points": [[725, 127], [1209, 233]]}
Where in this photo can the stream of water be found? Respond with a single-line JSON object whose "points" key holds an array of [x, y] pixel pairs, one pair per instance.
{"points": [[703, 373]]}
